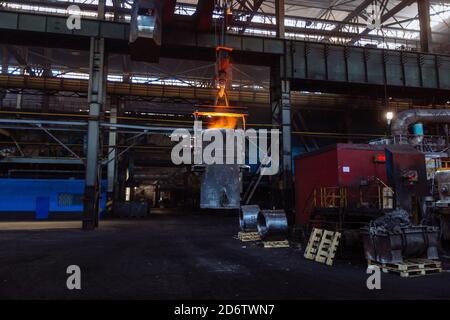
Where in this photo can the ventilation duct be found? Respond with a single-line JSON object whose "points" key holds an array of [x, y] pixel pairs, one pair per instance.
{"points": [[406, 118]]}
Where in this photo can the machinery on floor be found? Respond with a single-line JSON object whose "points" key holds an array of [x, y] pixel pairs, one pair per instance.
{"points": [[43, 199], [271, 225], [396, 189], [426, 130], [439, 206], [348, 187], [342, 186], [393, 238]]}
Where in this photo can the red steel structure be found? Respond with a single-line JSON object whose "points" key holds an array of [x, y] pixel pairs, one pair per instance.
{"points": [[345, 168]]}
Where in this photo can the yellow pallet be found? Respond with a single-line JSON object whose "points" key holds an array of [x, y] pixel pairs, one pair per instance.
{"points": [[410, 267], [276, 244], [313, 243], [249, 236], [322, 246]]}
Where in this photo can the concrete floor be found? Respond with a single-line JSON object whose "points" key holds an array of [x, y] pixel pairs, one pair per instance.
{"points": [[181, 257]]}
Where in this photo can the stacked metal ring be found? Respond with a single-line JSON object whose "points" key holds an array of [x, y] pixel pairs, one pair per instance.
{"points": [[272, 225], [248, 217]]}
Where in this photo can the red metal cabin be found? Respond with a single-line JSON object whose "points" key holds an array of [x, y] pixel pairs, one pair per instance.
{"points": [[343, 166]]}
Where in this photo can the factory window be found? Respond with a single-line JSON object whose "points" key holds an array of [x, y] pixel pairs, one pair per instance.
{"points": [[69, 199]]}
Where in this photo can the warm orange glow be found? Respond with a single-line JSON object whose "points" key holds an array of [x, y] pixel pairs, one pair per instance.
{"points": [[222, 120], [219, 114], [222, 48], [221, 91], [223, 123]]}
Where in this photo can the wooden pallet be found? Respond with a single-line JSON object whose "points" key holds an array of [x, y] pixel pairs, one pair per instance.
{"points": [[249, 236], [313, 244], [276, 244], [410, 267], [322, 246]]}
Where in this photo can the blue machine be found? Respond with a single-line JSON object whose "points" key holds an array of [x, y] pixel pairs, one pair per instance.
{"points": [[44, 196], [418, 129]]}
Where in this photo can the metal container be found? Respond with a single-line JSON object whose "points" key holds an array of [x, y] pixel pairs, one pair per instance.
{"points": [[403, 243], [220, 183], [340, 165], [220, 187], [145, 30], [248, 217], [272, 225]]}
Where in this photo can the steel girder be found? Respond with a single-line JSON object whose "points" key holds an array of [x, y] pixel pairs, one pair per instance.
{"points": [[388, 15], [324, 65]]}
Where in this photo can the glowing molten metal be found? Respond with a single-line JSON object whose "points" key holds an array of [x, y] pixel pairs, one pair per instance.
{"points": [[222, 120]]}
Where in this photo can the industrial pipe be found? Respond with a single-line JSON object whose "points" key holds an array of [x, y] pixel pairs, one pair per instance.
{"points": [[272, 225], [406, 118], [248, 217], [149, 129]]}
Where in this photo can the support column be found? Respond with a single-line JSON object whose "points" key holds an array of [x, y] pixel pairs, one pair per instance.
{"points": [[112, 150], [101, 9], [5, 60], [275, 99], [19, 101], [279, 12], [121, 165], [96, 98], [281, 117], [19, 96], [287, 144], [131, 182], [47, 73], [425, 26], [157, 195], [45, 103], [5, 65]]}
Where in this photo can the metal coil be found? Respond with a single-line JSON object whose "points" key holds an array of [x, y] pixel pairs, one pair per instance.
{"points": [[248, 217], [272, 225]]}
